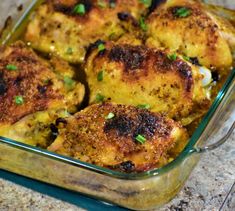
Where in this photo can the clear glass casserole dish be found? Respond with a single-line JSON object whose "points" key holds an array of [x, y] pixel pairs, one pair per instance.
{"points": [[134, 190]]}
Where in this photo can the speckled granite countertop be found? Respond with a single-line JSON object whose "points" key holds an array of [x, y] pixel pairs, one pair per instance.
{"points": [[210, 187]]}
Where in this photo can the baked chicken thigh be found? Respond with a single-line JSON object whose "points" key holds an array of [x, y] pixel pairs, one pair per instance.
{"points": [[119, 137], [32, 86], [66, 28], [187, 26], [137, 75]]}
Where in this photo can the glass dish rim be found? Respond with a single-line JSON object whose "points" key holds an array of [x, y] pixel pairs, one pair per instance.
{"points": [[108, 172]]}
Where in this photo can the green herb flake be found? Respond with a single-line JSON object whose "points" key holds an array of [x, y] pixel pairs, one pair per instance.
{"points": [[100, 76], [101, 47], [11, 67], [146, 3], [144, 106], [19, 100], [99, 98], [110, 115], [142, 24], [186, 58], [79, 9], [141, 139], [112, 4], [102, 4], [69, 82], [46, 81], [182, 12], [69, 51], [172, 57]]}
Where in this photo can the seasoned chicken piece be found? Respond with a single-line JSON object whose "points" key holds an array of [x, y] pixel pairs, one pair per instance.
{"points": [[137, 75], [187, 27], [68, 27], [225, 19], [119, 137], [28, 85], [37, 129]]}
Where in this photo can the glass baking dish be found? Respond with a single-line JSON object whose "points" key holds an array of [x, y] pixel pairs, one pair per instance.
{"points": [[134, 190]]}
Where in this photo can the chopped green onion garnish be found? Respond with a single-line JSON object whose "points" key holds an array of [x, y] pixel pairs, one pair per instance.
{"points": [[172, 57], [186, 58], [79, 9], [69, 82], [182, 12], [144, 106], [110, 115], [69, 51], [19, 100], [46, 82], [100, 75], [140, 139], [101, 47], [101, 4], [112, 4], [147, 3], [99, 98], [142, 24], [11, 67]]}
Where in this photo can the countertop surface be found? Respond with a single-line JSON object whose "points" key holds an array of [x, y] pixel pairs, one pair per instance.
{"points": [[210, 187]]}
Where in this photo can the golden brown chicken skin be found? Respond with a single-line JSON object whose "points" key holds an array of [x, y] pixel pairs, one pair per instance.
{"points": [[187, 27], [29, 84], [67, 28], [119, 137], [225, 19], [137, 75]]}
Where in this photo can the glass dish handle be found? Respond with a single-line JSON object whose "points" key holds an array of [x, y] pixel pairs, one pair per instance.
{"points": [[217, 143]]}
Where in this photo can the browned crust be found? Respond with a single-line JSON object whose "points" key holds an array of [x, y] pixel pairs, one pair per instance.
{"points": [[198, 23], [30, 81], [198, 19], [94, 6], [67, 7], [138, 62], [89, 135], [57, 20]]}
